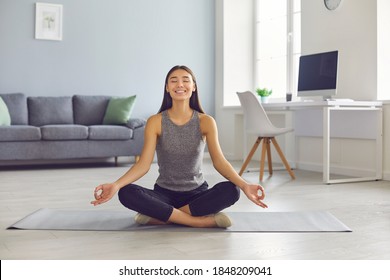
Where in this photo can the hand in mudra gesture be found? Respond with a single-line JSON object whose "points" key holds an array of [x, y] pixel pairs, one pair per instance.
{"points": [[104, 193], [252, 192]]}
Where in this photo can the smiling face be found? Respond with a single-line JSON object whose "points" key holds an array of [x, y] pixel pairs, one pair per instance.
{"points": [[180, 85]]}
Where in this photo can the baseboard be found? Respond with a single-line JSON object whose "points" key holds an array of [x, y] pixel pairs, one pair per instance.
{"points": [[386, 176], [347, 171]]}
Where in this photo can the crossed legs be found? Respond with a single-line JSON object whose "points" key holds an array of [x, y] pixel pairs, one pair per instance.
{"points": [[193, 208]]}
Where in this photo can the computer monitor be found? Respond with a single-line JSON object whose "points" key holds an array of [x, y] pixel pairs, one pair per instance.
{"points": [[318, 75]]}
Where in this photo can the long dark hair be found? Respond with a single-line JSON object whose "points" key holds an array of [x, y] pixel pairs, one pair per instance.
{"points": [[194, 100]]}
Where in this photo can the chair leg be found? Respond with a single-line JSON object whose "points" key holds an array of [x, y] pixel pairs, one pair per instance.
{"points": [[250, 155], [269, 158], [262, 160], [282, 157]]}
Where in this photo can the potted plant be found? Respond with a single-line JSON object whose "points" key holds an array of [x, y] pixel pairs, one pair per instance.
{"points": [[264, 93]]}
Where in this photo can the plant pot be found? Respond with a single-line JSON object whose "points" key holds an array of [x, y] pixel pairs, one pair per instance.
{"points": [[264, 99]]}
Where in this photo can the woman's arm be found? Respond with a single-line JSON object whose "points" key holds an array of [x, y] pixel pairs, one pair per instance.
{"points": [[209, 129], [140, 168], [105, 192]]}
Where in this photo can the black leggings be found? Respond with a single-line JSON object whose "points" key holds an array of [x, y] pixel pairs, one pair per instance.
{"points": [[159, 202]]}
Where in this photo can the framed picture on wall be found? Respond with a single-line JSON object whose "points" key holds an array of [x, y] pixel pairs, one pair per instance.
{"points": [[48, 21]]}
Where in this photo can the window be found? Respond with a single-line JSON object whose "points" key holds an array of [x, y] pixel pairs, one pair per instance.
{"points": [[278, 45]]}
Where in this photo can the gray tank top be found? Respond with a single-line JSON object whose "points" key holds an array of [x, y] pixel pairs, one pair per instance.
{"points": [[180, 150]]}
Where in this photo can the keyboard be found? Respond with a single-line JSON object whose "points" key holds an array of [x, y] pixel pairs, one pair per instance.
{"points": [[341, 99]]}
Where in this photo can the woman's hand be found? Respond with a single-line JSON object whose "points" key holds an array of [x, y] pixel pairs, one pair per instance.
{"points": [[104, 193], [252, 192]]}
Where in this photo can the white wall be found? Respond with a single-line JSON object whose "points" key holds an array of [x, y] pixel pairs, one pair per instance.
{"points": [[352, 29], [383, 13], [238, 47], [359, 30], [234, 67]]}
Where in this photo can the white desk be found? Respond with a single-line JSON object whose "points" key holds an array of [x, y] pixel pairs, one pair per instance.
{"points": [[333, 106]]}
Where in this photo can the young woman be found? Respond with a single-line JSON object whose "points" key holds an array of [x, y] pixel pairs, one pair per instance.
{"points": [[179, 133]]}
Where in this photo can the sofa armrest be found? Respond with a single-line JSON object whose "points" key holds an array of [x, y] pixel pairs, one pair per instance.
{"points": [[134, 123]]}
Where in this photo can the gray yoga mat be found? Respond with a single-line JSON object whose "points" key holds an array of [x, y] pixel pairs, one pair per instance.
{"points": [[109, 220]]}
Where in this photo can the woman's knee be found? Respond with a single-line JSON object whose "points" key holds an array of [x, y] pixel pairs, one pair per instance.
{"points": [[235, 191], [231, 190], [129, 195]]}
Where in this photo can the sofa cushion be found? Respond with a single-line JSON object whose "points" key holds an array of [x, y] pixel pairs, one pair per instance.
{"points": [[5, 118], [119, 110], [110, 132], [17, 107], [89, 109], [19, 133], [50, 110], [64, 132]]}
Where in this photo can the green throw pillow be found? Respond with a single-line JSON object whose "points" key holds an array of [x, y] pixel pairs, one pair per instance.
{"points": [[119, 110], [5, 118]]}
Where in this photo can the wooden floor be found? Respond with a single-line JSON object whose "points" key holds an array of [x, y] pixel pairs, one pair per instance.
{"points": [[364, 207]]}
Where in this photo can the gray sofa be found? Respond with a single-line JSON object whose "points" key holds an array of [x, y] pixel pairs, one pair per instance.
{"points": [[66, 127]]}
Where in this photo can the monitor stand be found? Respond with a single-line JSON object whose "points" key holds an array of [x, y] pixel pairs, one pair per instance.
{"points": [[328, 98]]}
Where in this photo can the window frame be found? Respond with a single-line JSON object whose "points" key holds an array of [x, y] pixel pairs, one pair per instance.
{"points": [[291, 74]]}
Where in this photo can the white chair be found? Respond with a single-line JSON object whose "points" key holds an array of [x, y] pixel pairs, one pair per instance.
{"points": [[257, 122]]}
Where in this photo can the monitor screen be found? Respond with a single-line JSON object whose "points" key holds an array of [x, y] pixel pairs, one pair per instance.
{"points": [[318, 74]]}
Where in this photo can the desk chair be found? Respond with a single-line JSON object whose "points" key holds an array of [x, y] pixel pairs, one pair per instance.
{"points": [[257, 122]]}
